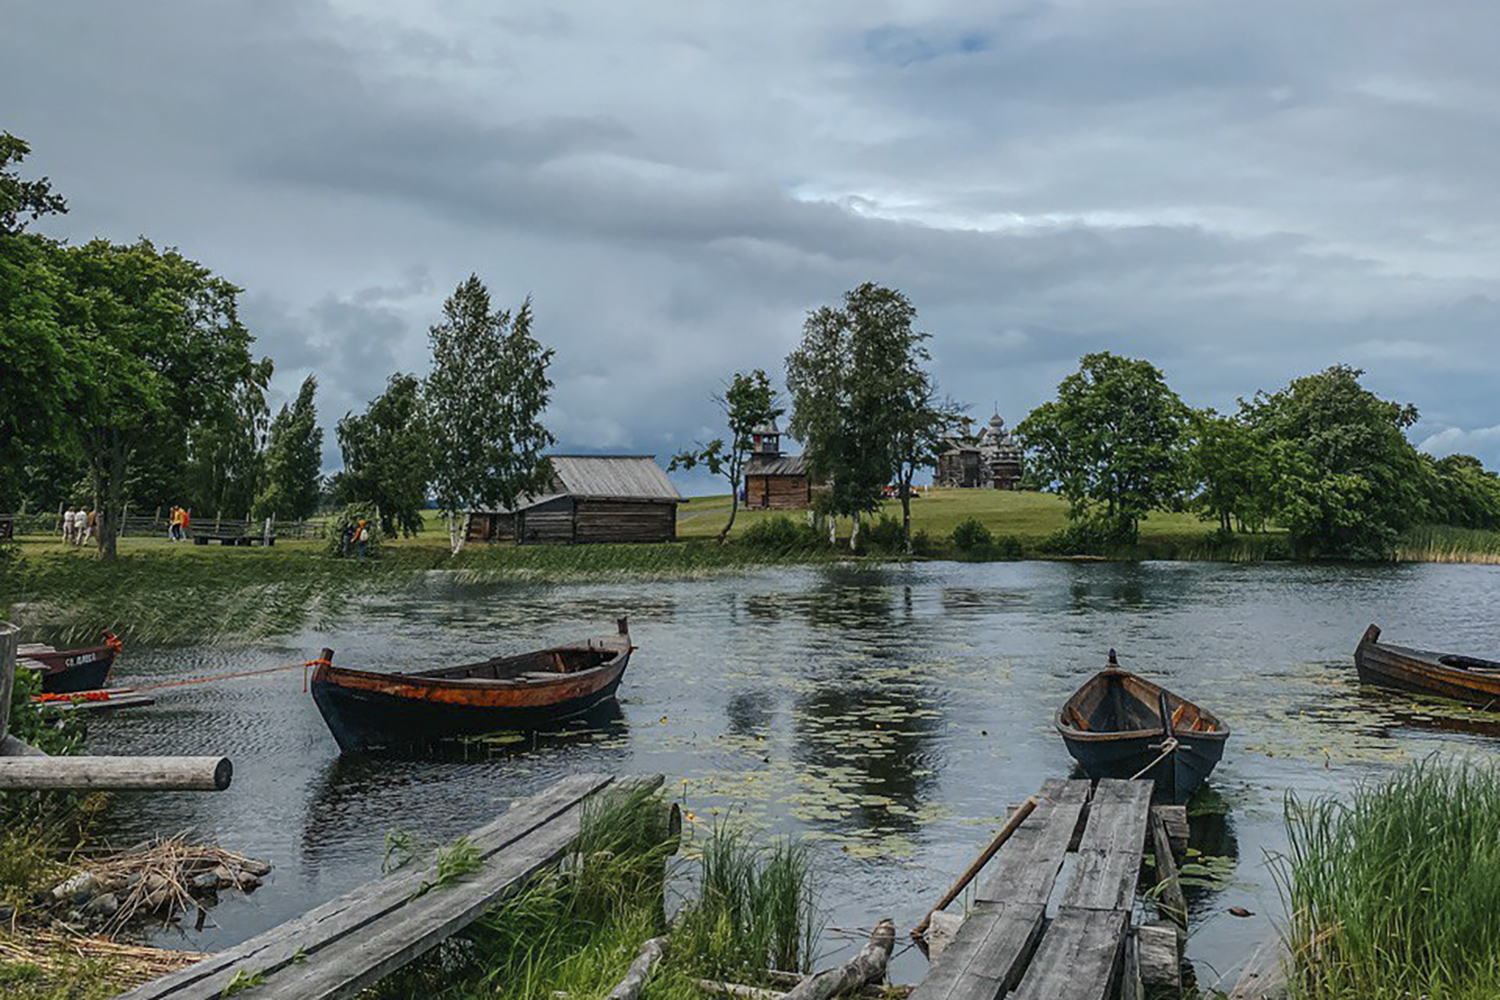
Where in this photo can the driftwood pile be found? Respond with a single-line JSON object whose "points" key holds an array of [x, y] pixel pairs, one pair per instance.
{"points": [[161, 878]]}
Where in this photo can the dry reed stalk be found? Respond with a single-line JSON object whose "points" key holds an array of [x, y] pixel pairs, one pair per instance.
{"points": [[130, 965]]}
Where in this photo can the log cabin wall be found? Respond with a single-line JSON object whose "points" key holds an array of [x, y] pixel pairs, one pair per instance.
{"points": [[777, 492], [624, 521]]}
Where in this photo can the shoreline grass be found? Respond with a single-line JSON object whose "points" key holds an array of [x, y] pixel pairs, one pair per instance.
{"points": [[575, 929], [1393, 893]]}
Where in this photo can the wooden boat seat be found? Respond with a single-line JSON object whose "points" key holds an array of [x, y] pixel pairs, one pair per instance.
{"points": [[1076, 719]]}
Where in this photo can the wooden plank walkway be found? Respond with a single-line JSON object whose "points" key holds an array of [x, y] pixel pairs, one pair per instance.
{"points": [[1007, 945], [347, 944]]}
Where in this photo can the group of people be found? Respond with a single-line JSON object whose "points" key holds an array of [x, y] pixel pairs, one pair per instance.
{"points": [[178, 524], [79, 526]]}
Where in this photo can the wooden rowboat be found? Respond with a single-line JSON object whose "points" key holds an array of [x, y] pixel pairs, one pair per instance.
{"points": [[1447, 675], [66, 671], [1118, 725], [367, 709]]}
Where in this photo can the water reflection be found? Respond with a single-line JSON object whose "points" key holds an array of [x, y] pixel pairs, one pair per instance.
{"points": [[888, 713]]}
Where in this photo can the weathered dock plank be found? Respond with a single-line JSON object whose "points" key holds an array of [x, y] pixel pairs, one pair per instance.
{"points": [[1026, 868], [1109, 854], [990, 951], [348, 943], [1079, 957]]}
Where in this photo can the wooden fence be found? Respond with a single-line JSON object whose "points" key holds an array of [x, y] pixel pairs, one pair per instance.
{"points": [[155, 525]]}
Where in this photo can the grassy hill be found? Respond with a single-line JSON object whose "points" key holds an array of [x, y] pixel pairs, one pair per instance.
{"points": [[1029, 517]]}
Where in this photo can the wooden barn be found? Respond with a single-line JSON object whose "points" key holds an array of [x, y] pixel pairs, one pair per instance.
{"points": [[594, 498], [774, 481]]}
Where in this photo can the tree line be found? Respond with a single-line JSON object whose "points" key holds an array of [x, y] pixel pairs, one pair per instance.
{"points": [[1323, 458], [130, 382]]}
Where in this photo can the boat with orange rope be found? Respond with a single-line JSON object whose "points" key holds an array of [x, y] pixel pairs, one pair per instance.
{"points": [[66, 671], [366, 709]]}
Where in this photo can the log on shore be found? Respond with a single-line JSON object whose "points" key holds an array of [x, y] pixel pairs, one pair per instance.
{"points": [[640, 970], [209, 774], [866, 967]]}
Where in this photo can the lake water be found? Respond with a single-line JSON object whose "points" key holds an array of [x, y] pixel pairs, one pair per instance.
{"points": [[888, 714]]}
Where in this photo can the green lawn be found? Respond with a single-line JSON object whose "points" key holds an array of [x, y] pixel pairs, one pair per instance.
{"points": [[1029, 517]]}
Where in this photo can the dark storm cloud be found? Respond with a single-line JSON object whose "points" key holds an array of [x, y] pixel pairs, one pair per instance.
{"points": [[1241, 193]]}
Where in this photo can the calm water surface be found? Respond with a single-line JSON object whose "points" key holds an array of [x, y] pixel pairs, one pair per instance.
{"points": [[888, 714]]}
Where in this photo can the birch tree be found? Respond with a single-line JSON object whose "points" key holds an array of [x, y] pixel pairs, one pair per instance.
{"points": [[485, 396]]}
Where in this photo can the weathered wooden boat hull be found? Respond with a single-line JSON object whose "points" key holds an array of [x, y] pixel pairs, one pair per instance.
{"points": [[1177, 778], [1461, 678], [361, 720], [1113, 727], [69, 671], [365, 709]]}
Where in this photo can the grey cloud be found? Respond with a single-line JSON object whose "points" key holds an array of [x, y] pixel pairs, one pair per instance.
{"points": [[1241, 193]]}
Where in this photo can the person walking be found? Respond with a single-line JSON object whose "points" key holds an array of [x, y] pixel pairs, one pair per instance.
{"points": [[361, 539], [92, 525], [186, 529], [67, 526], [172, 524]]}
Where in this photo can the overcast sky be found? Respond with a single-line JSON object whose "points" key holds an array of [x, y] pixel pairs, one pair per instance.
{"points": [[1240, 192]]}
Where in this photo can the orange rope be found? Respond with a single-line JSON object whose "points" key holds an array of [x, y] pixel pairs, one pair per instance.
{"points": [[232, 676]]}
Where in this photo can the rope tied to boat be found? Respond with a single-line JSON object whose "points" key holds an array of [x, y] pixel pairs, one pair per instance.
{"points": [[1168, 747], [319, 662], [231, 676]]}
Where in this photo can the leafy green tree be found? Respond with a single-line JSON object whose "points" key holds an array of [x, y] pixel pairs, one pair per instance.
{"points": [[294, 459], [159, 347], [1462, 492], [1111, 442], [387, 457], [225, 459], [863, 401], [748, 402], [485, 398], [1229, 468], [38, 374], [1347, 479]]}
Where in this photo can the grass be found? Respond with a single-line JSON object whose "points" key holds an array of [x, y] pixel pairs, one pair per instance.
{"points": [[576, 928], [1393, 894], [1440, 543], [159, 592]]}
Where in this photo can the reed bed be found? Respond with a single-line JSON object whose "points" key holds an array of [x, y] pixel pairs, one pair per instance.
{"points": [[168, 875], [1393, 894], [1441, 544], [55, 955], [575, 929]]}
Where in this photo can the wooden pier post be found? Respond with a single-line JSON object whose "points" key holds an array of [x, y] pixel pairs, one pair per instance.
{"points": [[10, 637]]}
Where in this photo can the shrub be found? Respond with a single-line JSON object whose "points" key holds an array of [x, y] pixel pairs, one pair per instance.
{"points": [[1088, 536], [971, 534], [345, 520], [780, 534], [885, 534], [1004, 547]]}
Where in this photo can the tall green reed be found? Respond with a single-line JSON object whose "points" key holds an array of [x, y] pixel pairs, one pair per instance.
{"points": [[1394, 894]]}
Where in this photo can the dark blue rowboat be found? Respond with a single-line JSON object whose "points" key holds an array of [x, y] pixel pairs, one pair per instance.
{"points": [[1119, 725]]}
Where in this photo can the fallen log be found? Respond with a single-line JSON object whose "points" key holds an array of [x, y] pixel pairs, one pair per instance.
{"points": [[116, 773], [866, 967], [640, 970], [743, 992]]}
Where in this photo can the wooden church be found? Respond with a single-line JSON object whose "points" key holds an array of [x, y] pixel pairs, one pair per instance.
{"points": [[774, 481]]}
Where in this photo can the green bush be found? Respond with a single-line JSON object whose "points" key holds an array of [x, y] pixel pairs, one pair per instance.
{"points": [[1088, 536], [884, 534], [349, 517], [1004, 547], [780, 534], [971, 534]]}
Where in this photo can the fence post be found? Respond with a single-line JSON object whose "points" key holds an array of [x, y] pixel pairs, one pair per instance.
{"points": [[9, 638], [265, 538]]}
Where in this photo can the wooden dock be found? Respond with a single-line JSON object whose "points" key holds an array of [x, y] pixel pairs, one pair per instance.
{"points": [[1009, 946], [347, 944]]}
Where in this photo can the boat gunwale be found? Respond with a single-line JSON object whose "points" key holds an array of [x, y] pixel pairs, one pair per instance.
{"points": [[329, 673], [1070, 733]]}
